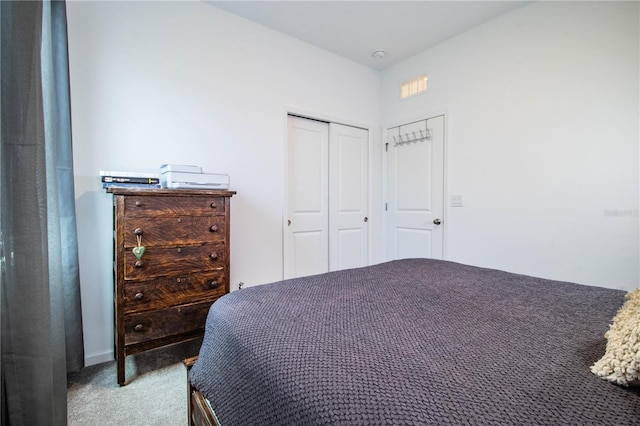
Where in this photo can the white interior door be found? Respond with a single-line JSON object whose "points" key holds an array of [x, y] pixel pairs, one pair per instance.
{"points": [[306, 250], [348, 197], [415, 190]]}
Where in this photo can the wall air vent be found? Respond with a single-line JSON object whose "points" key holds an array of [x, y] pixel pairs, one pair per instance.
{"points": [[413, 87]]}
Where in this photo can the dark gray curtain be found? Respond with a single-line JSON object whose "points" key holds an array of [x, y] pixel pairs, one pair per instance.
{"points": [[41, 318]]}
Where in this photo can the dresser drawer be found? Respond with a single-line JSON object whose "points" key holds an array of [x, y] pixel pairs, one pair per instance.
{"points": [[174, 261], [163, 293], [142, 206], [173, 231], [166, 322]]}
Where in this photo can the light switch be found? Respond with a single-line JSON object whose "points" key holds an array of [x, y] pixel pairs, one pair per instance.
{"points": [[457, 200]]}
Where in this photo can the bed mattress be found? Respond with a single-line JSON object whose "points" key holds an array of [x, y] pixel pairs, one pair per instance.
{"points": [[413, 341]]}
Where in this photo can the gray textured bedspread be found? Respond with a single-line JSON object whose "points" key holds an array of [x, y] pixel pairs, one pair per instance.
{"points": [[412, 341]]}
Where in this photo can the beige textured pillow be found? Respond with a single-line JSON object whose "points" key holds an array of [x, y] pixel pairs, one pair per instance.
{"points": [[621, 361]]}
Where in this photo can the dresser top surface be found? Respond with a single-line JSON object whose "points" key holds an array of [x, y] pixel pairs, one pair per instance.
{"points": [[171, 192]]}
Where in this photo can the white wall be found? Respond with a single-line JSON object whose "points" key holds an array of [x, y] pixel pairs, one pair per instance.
{"points": [[542, 139], [186, 83]]}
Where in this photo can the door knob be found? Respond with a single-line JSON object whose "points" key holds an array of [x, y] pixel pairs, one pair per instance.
{"points": [[437, 221]]}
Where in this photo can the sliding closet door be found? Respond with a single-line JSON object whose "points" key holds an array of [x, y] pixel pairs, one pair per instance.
{"points": [[348, 197], [306, 250], [326, 224]]}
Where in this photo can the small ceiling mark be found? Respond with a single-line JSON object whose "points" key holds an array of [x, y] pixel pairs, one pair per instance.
{"points": [[379, 53]]}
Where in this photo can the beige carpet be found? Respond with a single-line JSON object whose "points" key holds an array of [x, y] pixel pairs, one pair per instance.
{"points": [[156, 393]]}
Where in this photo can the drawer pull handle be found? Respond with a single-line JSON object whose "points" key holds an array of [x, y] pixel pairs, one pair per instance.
{"points": [[138, 264], [138, 203], [213, 256], [138, 327], [139, 296], [214, 228], [138, 231], [213, 206], [213, 284]]}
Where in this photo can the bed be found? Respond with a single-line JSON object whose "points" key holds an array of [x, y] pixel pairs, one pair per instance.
{"points": [[408, 342]]}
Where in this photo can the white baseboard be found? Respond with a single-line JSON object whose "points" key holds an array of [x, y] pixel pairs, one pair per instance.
{"points": [[98, 358]]}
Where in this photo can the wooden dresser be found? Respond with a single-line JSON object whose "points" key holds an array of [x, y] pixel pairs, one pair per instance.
{"points": [[171, 262]]}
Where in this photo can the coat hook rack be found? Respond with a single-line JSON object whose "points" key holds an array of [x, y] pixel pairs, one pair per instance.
{"points": [[403, 138]]}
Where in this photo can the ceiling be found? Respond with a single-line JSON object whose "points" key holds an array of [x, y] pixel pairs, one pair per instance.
{"points": [[354, 29]]}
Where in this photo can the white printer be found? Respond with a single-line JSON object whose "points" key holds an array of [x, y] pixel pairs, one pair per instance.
{"points": [[177, 176]]}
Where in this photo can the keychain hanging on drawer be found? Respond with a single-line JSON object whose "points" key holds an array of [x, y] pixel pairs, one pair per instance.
{"points": [[139, 250]]}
